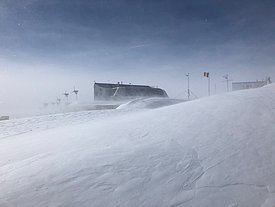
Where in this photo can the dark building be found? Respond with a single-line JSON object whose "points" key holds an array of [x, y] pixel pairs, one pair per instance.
{"points": [[109, 91], [3, 118]]}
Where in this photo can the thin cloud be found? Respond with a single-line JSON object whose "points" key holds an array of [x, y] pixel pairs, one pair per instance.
{"points": [[140, 46]]}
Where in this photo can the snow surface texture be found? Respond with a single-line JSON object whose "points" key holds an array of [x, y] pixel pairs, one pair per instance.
{"points": [[217, 151], [37, 123], [149, 103]]}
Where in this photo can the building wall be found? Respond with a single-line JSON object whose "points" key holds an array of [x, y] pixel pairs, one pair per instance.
{"points": [[102, 93], [105, 91], [247, 85]]}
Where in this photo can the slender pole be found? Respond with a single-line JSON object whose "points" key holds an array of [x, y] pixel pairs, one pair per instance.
{"points": [[227, 84], [209, 85], [226, 77], [188, 85]]}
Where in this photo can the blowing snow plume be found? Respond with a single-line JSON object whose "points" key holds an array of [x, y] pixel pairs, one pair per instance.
{"points": [[149, 103], [216, 151]]}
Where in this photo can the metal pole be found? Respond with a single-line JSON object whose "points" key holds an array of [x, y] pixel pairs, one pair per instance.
{"points": [[226, 77], [209, 85], [188, 85], [227, 84]]}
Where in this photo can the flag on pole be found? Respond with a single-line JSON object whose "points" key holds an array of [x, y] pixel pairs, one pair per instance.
{"points": [[206, 74]]}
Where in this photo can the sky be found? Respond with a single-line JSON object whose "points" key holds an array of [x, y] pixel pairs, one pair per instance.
{"points": [[47, 47]]}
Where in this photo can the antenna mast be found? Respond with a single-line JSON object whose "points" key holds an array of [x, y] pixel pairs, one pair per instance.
{"points": [[226, 77], [75, 92], [66, 94], [188, 85]]}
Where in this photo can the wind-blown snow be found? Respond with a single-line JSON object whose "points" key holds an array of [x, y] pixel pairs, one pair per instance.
{"points": [[149, 103], [216, 151]]}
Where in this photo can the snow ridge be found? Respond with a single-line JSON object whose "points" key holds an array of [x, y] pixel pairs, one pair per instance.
{"points": [[216, 151]]}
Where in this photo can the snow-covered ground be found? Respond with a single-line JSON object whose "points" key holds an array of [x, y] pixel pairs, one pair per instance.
{"points": [[38, 123], [217, 151], [149, 103]]}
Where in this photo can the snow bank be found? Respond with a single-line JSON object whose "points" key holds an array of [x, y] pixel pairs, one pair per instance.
{"points": [[216, 151], [149, 103], [77, 107]]}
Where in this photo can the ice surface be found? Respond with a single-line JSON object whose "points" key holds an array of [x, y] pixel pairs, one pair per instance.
{"points": [[216, 151]]}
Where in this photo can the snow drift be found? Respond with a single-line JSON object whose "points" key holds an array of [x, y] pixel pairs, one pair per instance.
{"points": [[216, 151], [149, 103]]}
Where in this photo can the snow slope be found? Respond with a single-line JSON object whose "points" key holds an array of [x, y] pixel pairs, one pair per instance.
{"points": [[216, 151], [149, 103], [38, 123]]}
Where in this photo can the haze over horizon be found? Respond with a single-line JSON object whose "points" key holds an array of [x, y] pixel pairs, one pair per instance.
{"points": [[47, 47]]}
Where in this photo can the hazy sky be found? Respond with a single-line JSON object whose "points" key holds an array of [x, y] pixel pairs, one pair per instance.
{"points": [[48, 46]]}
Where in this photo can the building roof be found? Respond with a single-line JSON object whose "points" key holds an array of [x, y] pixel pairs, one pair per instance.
{"points": [[248, 82], [112, 85]]}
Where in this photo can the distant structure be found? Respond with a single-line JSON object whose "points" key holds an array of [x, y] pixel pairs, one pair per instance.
{"points": [[120, 91], [4, 118], [188, 85], [58, 100], [226, 77], [247, 85], [75, 92], [66, 94]]}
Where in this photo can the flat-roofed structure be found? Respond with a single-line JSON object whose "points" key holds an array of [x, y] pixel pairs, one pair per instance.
{"points": [[251, 84], [3, 118], [118, 91]]}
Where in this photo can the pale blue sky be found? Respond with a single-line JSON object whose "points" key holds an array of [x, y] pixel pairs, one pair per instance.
{"points": [[46, 47]]}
